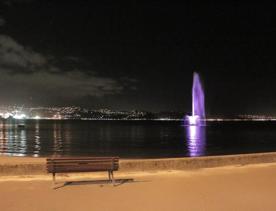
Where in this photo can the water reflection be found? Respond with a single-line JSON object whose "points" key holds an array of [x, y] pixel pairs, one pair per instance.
{"points": [[3, 138], [37, 146], [12, 139], [22, 143], [57, 137], [196, 139]]}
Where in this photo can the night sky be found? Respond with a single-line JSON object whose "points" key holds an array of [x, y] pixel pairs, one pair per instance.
{"points": [[134, 55]]}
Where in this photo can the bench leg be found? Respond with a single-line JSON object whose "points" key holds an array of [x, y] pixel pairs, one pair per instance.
{"points": [[113, 181], [109, 176], [54, 178]]}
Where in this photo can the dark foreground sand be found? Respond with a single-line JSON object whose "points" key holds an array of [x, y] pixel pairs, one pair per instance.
{"points": [[251, 187]]}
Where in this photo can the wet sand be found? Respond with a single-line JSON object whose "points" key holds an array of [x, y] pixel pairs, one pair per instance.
{"points": [[250, 187]]}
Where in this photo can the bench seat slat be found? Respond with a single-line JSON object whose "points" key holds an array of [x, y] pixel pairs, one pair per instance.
{"points": [[49, 161], [82, 166], [81, 162], [68, 161], [77, 169], [82, 158], [64, 169]]}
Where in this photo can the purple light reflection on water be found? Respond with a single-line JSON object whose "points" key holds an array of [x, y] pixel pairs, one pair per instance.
{"points": [[196, 139]]}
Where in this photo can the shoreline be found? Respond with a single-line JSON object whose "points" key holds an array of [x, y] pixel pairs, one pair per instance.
{"points": [[15, 166]]}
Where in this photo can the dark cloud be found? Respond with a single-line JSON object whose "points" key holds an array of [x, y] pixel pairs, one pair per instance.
{"points": [[15, 57], [2, 22], [25, 72], [73, 59], [11, 2]]}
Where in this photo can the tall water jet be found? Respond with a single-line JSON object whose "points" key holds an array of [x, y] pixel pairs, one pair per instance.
{"points": [[198, 97], [198, 103], [195, 134]]}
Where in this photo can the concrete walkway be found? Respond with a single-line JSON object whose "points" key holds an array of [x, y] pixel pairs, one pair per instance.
{"points": [[250, 187]]}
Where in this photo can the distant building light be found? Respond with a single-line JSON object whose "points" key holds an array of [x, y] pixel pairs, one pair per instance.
{"points": [[19, 116], [37, 117], [7, 115]]}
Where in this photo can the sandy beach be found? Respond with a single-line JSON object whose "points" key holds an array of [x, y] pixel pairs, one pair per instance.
{"points": [[250, 187]]}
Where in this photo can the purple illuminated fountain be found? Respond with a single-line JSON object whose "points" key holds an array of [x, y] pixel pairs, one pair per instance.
{"points": [[195, 133], [198, 105]]}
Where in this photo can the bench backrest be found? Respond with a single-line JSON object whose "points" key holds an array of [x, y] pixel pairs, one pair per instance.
{"points": [[82, 164]]}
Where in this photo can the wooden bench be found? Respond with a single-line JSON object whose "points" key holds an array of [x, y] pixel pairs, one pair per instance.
{"points": [[82, 164]]}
